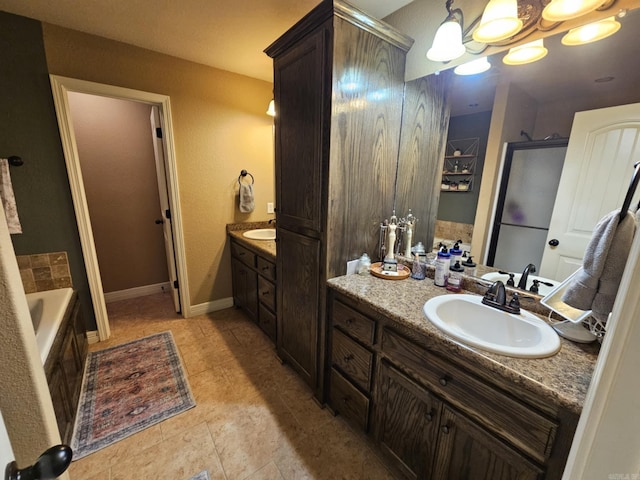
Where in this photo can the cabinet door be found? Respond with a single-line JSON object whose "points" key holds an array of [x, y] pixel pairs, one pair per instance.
{"points": [[245, 287], [406, 422], [61, 402], [466, 451], [298, 312], [300, 82]]}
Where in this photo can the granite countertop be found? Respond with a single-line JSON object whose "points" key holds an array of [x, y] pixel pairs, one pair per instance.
{"points": [[562, 379], [265, 248]]}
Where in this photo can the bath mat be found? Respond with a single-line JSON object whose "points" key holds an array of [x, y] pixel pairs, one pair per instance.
{"points": [[128, 388], [203, 475]]}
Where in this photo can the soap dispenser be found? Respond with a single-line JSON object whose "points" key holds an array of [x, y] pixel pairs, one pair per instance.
{"points": [[454, 282], [456, 253], [469, 266], [443, 262]]}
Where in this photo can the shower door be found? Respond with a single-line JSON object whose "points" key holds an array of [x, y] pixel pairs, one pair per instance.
{"points": [[527, 194]]}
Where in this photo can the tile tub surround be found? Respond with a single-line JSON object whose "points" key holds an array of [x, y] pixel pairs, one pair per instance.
{"points": [[563, 379], [454, 230], [44, 271]]}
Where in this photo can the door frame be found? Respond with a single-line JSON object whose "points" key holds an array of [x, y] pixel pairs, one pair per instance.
{"points": [[60, 87]]}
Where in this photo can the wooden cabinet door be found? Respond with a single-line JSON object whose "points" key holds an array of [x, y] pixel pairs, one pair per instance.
{"points": [[300, 82], [61, 402], [406, 422], [298, 290], [245, 288], [466, 451]]}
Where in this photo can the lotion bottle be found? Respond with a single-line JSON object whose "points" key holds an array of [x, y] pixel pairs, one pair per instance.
{"points": [[454, 282], [443, 261]]}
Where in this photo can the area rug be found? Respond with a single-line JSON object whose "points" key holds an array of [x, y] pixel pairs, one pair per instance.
{"points": [[128, 388]]}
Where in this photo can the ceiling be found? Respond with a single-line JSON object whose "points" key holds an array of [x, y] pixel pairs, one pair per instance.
{"points": [[230, 35]]}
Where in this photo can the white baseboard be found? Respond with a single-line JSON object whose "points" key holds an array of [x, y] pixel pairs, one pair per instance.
{"points": [[136, 292], [204, 308], [92, 337]]}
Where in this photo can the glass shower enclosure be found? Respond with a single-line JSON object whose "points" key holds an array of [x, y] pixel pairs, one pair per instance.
{"points": [[528, 187]]}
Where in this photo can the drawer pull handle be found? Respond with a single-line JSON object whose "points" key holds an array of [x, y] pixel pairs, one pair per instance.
{"points": [[348, 358], [264, 269], [444, 381], [241, 254], [349, 321], [345, 399], [429, 416], [445, 429], [266, 292]]}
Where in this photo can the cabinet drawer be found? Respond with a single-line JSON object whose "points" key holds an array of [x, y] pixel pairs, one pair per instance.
{"points": [[354, 360], [267, 293], [346, 400], [500, 413], [244, 255], [353, 322], [266, 269], [267, 322]]}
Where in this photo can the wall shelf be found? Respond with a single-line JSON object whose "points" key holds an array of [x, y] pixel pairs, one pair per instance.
{"points": [[459, 163]]}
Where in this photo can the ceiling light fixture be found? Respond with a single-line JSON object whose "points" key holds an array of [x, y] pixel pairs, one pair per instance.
{"points": [[592, 32], [526, 53], [473, 67], [447, 43], [499, 21], [561, 10]]}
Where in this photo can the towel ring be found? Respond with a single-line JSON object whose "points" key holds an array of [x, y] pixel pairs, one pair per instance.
{"points": [[244, 173]]}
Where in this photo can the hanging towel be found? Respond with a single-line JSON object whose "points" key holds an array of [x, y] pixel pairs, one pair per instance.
{"points": [[8, 199], [246, 198], [596, 285]]}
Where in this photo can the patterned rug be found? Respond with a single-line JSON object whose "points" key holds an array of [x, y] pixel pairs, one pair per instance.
{"points": [[128, 388]]}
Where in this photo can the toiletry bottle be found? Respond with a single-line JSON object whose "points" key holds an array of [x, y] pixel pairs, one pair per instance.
{"points": [[418, 269], [456, 253], [469, 267], [454, 282], [443, 261]]}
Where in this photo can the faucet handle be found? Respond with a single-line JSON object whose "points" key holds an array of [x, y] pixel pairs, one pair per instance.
{"points": [[515, 301]]}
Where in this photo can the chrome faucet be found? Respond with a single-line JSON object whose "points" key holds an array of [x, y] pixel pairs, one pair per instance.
{"points": [[496, 297], [522, 284]]}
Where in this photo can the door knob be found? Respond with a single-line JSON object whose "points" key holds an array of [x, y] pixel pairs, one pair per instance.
{"points": [[51, 464], [554, 242], [159, 221]]}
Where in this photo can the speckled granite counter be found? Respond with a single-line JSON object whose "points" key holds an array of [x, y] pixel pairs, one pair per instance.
{"points": [[563, 378], [266, 248]]}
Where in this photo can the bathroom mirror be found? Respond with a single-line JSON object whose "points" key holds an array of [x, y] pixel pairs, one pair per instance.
{"points": [[567, 80]]}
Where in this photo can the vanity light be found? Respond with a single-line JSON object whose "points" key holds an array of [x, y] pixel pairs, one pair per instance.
{"points": [[271, 110], [473, 67], [561, 10], [499, 21], [592, 32], [447, 44], [527, 53]]}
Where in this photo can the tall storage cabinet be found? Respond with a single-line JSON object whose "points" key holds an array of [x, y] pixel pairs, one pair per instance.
{"points": [[338, 89]]}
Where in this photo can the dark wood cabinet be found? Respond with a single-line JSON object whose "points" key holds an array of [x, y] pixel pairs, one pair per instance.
{"points": [[245, 288], [64, 368], [435, 416], [336, 149]]}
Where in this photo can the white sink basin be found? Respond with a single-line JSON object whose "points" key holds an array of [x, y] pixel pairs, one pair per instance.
{"points": [[261, 234], [542, 289], [465, 318]]}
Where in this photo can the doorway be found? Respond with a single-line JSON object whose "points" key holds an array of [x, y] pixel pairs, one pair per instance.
{"points": [[61, 88], [528, 187]]}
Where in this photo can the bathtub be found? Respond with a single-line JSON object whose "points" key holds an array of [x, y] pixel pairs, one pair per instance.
{"points": [[47, 311]]}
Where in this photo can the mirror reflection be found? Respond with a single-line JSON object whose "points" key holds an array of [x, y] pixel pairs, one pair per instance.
{"points": [[527, 105]]}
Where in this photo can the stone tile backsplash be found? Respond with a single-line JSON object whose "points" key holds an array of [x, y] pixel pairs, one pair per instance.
{"points": [[44, 271]]}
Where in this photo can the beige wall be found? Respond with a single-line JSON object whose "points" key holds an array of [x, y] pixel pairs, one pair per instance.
{"points": [[220, 127], [115, 149]]}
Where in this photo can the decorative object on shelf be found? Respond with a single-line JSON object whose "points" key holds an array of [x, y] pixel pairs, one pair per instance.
{"points": [[460, 163], [391, 237], [409, 222]]}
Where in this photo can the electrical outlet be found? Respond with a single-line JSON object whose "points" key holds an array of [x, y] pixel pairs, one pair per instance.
{"points": [[270, 207]]}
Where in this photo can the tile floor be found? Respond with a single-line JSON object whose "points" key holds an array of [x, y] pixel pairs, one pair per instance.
{"points": [[254, 418]]}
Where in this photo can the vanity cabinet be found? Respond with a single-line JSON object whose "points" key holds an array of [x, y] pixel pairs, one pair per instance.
{"points": [[64, 368], [254, 289], [436, 416], [329, 192]]}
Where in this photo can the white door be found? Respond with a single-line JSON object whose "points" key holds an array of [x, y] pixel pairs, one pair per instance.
{"points": [[165, 210], [603, 147]]}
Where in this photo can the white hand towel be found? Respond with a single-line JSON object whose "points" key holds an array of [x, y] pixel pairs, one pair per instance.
{"points": [[596, 285], [8, 198], [246, 198]]}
